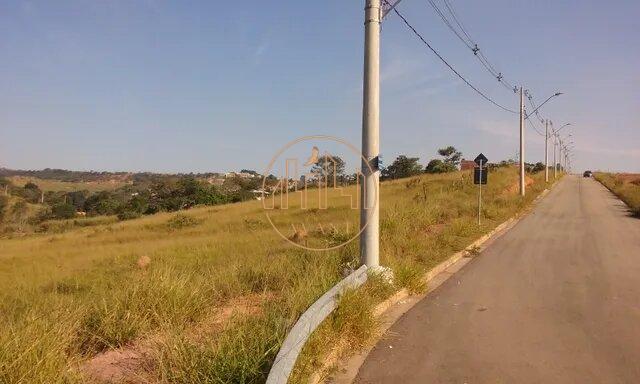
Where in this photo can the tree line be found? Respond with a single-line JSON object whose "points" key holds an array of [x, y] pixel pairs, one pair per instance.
{"points": [[144, 196]]}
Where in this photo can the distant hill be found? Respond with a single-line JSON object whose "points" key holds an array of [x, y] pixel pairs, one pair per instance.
{"points": [[65, 175]]}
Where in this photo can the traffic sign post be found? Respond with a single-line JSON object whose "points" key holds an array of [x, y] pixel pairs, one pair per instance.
{"points": [[480, 177]]}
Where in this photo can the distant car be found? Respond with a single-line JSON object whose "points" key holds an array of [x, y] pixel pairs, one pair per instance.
{"points": [[587, 174]]}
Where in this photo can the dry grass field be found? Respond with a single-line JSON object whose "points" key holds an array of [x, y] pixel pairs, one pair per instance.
{"points": [[207, 295], [625, 185]]}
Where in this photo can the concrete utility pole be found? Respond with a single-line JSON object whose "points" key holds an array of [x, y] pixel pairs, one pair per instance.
{"points": [[369, 207], [522, 185], [555, 167], [480, 194], [546, 151], [560, 153]]}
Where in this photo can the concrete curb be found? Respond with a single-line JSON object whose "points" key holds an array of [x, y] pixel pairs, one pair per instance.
{"points": [[390, 310], [307, 323]]}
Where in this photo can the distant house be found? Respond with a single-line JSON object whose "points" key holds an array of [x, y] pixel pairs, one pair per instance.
{"points": [[467, 164], [259, 193], [217, 181], [243, 175]]}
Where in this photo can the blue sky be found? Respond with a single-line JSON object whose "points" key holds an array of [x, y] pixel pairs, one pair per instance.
{"points": [[212, 86]]}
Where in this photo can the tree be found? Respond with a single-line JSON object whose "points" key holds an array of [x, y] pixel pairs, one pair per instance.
{"points": [[438, 166], [31, 193], [402, 166], [4, 203], [77, 199], [451, 155], [19, 214], [538, 167], [102, 203], [250, 172], [63, 211], [31, 186], [328, 166]]}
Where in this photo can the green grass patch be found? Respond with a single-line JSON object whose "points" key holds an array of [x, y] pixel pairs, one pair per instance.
{"points": [[85, 286]]}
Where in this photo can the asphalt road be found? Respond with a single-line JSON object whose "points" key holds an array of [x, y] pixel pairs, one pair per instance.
{"points": [[554, 300]]}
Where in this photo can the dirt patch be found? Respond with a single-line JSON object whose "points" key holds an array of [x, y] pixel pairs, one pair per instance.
{"points": [[131, 365], [134, 364], [434, 229], [143, 262], [247, 305], [515, 187]]}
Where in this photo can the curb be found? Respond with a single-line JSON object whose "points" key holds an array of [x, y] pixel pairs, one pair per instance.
{"points": [[390, 310]]}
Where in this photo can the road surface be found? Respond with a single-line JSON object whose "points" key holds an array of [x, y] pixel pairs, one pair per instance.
{"points": [[554, 300]]}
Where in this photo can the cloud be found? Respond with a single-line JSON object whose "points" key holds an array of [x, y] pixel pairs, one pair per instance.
{"points": [[260, 50], [403, 76], [397, 69], [498, 128], [625, 152], [508, 130]]}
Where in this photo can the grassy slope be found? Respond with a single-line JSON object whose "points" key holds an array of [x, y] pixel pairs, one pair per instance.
{"points": [[67, 297], [625, 186]]}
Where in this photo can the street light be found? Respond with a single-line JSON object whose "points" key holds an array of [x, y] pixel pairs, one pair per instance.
{"points": [[558, 130], [546, 147], [543, 103]]}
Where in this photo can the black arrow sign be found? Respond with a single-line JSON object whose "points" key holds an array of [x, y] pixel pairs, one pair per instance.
{"points": [[481, 158]]}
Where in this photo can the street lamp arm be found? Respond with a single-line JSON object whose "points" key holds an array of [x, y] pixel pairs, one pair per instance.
{"points": [[558, 130], [540, 106]]}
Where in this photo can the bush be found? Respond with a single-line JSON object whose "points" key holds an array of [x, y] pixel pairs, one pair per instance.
{"points": [[439, 166], [128, 215], [63, 211], [4, 203], [180, 221]]}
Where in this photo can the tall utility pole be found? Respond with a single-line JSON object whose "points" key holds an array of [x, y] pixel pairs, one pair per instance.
{"points": [[555, 165], [522, 186], [560, 153], [369, 208], [546, 151]]}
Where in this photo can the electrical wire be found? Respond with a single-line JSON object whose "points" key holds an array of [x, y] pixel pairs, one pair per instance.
{"points": [[469, 42], [534, 106], [527, 117], [455, 18], [406, 22], [535, 128]]}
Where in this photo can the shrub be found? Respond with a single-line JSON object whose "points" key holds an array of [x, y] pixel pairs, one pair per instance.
{"points": [[63, 211], [128, 215], [4, 203], [180, 221]]}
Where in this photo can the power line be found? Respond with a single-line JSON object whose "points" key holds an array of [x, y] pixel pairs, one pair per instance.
{"points": [[535, 128], [469, 42], [528, 117], [447, 64], [455, 18], [534, 106]]}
